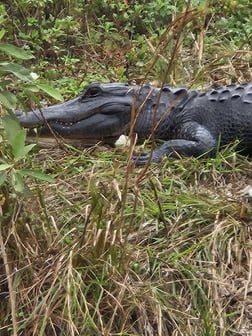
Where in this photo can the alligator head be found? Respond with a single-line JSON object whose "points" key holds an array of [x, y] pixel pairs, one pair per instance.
{"points": [[101, 113]]}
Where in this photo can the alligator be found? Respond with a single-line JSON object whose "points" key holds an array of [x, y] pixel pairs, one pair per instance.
{"points": [[188, 122]]}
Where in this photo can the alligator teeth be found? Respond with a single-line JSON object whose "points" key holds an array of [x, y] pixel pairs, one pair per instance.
{"points": [[64, 123]]}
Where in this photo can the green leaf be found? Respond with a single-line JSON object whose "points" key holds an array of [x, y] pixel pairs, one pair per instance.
{"points": [[37, 174], [30, 87], [21, 152], [16, 136], [15, 51], [18, 70], [17, 181], [3, 176], [2, 31], [11, 127], [18, 142], [8, 99], [18, 145], [5, 166], [50, 91]]}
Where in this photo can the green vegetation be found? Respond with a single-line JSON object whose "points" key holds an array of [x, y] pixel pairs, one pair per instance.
{"points": [[90, 245]]}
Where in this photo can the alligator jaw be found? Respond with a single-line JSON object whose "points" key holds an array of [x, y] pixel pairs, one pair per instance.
{"points": [[53, 142], [101, 113]]}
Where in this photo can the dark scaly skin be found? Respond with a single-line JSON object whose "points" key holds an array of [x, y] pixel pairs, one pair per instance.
{"points": [[205, 120], [191, 123]]}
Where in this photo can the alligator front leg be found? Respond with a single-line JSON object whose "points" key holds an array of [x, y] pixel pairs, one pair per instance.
{"points": [[194, 140]]}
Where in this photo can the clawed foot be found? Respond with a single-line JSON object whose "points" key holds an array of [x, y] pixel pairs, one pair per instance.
{"points": [[143, 158]]}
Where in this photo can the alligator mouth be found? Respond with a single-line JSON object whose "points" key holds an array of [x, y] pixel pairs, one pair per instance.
{"points": [[97, 129]]}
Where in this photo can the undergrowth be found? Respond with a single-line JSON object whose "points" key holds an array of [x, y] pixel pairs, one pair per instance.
{"points": [[108, 251], [107, 248]]}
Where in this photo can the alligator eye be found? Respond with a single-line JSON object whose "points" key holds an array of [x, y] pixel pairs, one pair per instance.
{"points": [[93, 92]]}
